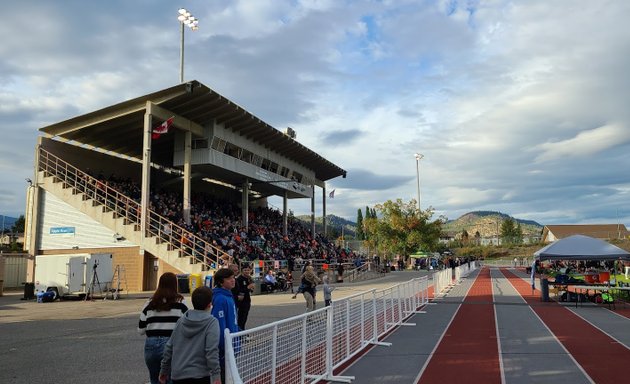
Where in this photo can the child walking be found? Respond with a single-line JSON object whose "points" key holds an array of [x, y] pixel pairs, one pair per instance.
{"points": [[327, 291], [192, 353]]}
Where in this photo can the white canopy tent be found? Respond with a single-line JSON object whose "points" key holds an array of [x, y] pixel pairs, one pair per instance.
{"points": [[580, 247]]}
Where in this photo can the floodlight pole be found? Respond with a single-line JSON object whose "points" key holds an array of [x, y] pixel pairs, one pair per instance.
{"points": [[181, 55], [185, 19], [418, 156]]}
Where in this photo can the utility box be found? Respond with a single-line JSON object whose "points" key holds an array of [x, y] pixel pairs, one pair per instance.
{"points": [[194, 281]]}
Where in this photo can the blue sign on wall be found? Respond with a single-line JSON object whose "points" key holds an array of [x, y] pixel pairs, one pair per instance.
{"points": [[62, 230]]}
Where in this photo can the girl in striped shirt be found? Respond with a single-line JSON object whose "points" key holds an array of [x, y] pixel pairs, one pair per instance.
{"points": [[157, 320]]}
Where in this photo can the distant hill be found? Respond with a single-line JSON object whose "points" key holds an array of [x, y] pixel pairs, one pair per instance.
{"points": [[349, 227], [8, 222], [485, 222]]}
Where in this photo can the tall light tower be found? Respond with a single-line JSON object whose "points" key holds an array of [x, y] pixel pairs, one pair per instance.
{"points": [[185, 19], [419, 157]]}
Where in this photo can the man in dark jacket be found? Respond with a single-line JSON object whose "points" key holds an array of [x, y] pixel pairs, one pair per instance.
{"points": [[244, 287]]}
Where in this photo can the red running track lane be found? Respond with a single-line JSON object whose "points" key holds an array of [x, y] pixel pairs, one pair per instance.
{"points": [[469, 351], [625, 311], [598, 354]]}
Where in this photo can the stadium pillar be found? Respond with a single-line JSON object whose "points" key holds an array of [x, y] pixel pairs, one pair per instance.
{"points": [[146, 174], [324, 208], [285, 224], [32, 217], [313, 212], [187, 157], [245, 204]]}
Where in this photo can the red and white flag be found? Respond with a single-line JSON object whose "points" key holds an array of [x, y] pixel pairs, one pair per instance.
{"points": [[161, 129]]}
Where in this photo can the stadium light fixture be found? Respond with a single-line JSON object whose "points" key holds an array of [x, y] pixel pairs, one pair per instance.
{"points": [[418, 157], [185, 19]]}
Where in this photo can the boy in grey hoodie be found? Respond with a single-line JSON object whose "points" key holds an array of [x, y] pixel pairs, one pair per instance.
{"points": [[192, 353]]}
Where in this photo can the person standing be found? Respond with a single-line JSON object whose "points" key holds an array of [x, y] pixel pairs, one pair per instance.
{"points": [[309, 284], [340, 272], [327, 291], [157, 320], [244, 287], [235, 269], [224, 309], [191, 355]]}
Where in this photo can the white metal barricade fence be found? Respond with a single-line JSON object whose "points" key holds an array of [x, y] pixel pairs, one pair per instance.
{"points": [[441, 281], [464, 270], [307, 348], [444, 279]]}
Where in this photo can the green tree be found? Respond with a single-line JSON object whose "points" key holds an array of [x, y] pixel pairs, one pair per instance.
{"points": [[511, 233], [465, 236], [401, 229], [360, 225], [18, 226], [334, 232], [518, 239]]}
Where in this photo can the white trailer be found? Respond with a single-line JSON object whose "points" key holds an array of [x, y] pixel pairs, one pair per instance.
{"points": [[73, 274]]}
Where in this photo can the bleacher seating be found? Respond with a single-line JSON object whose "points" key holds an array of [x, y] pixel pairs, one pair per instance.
{"points": [[218, 222]]}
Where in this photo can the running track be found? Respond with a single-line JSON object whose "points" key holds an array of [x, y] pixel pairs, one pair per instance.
{"points": [[492, 329]]}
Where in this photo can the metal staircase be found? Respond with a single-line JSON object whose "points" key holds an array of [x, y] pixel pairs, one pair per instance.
{"points": [[164, 239]]}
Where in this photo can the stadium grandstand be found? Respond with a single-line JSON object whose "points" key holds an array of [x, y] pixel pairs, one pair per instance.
{"points": [[176, 180]]}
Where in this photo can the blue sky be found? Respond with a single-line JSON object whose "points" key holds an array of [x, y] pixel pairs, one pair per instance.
{"points": [[517, 106]]}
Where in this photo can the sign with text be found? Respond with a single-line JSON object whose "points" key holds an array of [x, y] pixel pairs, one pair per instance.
{"points": [[62, 230]]}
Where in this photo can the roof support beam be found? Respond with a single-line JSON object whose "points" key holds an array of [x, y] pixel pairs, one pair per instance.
{"points": [[178, 121]]}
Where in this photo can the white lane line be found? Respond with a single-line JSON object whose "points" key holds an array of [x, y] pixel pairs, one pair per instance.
{"points": [[496, 329], [426, 363], [598, 328], [551, 333]]}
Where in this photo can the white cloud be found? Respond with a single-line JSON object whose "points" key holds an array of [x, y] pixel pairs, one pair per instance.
{"points": [[585, 144], [517, 106]]}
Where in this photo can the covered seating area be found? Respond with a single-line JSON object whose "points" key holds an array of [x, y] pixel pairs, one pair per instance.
{"points": [[581, 269]]}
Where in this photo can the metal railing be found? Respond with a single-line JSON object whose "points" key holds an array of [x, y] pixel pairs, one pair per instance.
{"points": [[179, 239], [365, 271], [443, 280], [308, 348]]}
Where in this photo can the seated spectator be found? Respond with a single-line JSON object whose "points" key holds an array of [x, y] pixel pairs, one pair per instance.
{"points": [[270, 281]]}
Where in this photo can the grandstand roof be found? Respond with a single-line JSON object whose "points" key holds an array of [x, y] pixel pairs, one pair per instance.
{"points": [[119, 128]]}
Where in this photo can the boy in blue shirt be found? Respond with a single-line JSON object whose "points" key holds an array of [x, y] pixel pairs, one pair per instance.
{"points": [[224, 309]]}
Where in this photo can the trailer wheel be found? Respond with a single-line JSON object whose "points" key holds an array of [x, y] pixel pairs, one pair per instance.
{"points": [[56, 291]]}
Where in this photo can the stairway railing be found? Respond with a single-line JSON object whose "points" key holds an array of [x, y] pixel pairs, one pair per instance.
{"points": [[360, 272], [179, 238]]}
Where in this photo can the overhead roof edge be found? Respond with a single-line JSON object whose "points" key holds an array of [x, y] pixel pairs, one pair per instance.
{"points": [[323, 168]]}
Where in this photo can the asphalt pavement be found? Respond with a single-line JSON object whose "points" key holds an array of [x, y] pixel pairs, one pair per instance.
{"points": [[97, 342]]}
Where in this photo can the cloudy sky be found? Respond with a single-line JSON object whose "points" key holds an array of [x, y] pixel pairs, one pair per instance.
{"points": [[521, 107]]}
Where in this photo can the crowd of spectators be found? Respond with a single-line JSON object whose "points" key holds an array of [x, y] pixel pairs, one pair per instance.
{"points": [[219, 222]]}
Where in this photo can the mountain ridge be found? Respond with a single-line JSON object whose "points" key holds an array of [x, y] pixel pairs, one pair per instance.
{"points": [[488, 224], [484, 222]]}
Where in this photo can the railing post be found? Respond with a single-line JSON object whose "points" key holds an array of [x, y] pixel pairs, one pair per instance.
{"points": [[274, 357], [329, 341], [303, 354], [347, 327], [363, 341]]}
